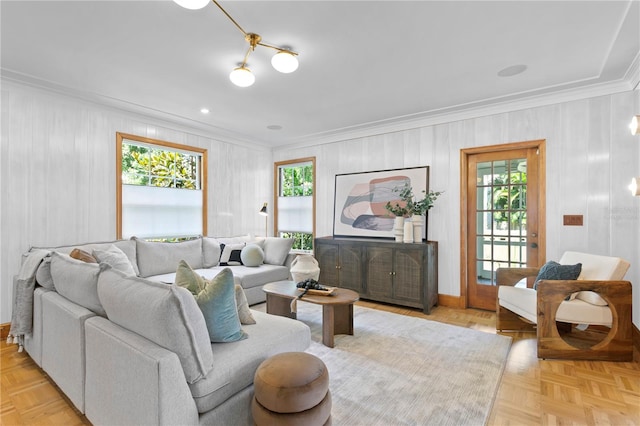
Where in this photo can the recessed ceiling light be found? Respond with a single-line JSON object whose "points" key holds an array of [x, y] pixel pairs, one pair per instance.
{"points": [[204, 110], [274, 127], [512, 70]]}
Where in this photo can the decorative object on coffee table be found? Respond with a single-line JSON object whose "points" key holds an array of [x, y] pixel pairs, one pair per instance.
{"points": [[304, 266], [291, 388]]}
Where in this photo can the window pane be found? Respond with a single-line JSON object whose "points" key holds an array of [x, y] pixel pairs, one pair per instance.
{"points": [[161, 191], [149, 212]]}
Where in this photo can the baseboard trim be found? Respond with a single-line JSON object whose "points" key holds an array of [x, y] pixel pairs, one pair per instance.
{"points": [[451, 301], [4, 330]]}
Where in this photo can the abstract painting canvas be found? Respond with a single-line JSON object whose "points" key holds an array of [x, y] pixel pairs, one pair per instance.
{"points": [[360, 199]]}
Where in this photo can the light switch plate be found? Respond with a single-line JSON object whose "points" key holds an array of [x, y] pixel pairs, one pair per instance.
{"points": [[572, 220]]}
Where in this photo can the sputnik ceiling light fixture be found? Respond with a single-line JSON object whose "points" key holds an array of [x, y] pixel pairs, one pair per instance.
{"points": [[284, 60]]}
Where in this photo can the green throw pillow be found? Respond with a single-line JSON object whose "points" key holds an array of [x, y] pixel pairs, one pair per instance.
{"points": [[216, 299], [555, 271]]}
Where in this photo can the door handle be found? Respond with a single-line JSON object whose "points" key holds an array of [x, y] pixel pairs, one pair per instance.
{"points": [[534, 245]]}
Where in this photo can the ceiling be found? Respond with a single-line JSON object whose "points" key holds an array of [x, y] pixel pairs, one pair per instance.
{"points": [[364, 65]]}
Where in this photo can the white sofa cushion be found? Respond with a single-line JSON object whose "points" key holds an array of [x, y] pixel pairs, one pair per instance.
{"points": [[155, 258], [43, 274], [116, 258], [523, 301], [235, 363], [519, 300], [580, 312], [210, 252], [77, 281], [245, 276], [275, 249], [596, 268], [167, 315]]}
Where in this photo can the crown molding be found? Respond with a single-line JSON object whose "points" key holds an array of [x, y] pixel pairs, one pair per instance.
{"points": [[633, 73], [465, 112], [153, 116], [483, 108]]}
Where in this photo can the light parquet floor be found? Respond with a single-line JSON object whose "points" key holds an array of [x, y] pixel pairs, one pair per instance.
{"points": [[532, 391]]}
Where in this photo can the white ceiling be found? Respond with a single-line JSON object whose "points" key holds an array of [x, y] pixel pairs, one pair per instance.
{"points": [[363, 64]]}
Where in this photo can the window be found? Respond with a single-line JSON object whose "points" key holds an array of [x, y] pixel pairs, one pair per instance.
{"points": [[161, 189], [295, 202]]}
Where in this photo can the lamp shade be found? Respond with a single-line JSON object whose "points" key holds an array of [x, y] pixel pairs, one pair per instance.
{"points": [[285, 62], [192, 4], [635, 125], [634, 187], [242, 77], [263, 210]]}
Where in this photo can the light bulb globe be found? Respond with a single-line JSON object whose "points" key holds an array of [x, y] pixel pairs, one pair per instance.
{"points": [[634, 187], [634, 126], [242, 77], [285, 62], [192, 4]]}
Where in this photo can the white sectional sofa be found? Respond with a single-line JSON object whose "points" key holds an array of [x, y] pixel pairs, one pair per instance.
{"points": [[142, 355]]}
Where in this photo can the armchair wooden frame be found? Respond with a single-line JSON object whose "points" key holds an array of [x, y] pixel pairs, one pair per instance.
{"points": [[617, 344]]}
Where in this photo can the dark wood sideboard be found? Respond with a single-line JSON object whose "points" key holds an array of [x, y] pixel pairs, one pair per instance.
{"points": [[382, 270]]}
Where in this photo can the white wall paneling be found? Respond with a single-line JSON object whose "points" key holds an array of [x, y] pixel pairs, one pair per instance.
{"points": [[591, 158], [58, 175], [57, 163]]}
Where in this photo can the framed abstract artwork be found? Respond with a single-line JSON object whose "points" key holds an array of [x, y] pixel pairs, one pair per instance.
{"points": [[360, 199]]}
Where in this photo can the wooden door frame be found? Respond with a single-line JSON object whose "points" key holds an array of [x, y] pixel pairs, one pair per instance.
{"points": [[540, 144]]}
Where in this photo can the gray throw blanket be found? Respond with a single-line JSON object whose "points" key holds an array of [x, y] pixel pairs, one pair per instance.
{"points": [[22, 312]]}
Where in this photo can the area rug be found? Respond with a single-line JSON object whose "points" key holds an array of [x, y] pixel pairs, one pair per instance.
{"points": [[399, 370]]}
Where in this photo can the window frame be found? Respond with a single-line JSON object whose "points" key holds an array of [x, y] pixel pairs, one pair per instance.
{"points": [[158, 144], [276, 191]]}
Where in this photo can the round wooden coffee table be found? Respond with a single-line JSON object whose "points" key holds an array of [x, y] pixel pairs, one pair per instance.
{"points": [[337, 309]]}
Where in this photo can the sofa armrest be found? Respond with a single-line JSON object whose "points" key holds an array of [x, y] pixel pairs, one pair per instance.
{"points": [[131, 380], [511, 276]]}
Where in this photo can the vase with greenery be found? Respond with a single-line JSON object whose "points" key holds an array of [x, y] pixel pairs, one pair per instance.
{"points": [[413, 207], [418, 209], [400, 210]]}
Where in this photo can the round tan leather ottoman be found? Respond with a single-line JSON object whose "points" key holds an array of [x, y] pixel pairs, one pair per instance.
{"points": [[291, 388]]}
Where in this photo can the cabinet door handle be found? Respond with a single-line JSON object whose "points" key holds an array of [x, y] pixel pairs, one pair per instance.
{"points": [[390, 273]]}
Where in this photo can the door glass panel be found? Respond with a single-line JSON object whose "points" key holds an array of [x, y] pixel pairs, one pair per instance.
{"points": [[501, 217]]}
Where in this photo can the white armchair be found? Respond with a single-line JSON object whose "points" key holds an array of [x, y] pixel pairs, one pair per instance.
{"points": [[597, 297]]}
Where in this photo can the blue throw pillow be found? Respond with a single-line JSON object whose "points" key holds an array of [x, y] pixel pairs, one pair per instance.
{"points": [[217, 301], [555, 271]]}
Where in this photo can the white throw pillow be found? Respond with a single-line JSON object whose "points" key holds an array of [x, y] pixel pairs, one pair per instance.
{"points": [[252, 255], [116, 258], [231, 255], [77, 281], [276, 250], [167, 315], [210, 252]]}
